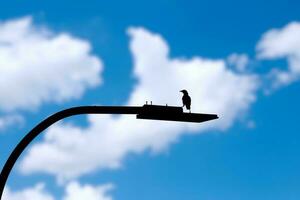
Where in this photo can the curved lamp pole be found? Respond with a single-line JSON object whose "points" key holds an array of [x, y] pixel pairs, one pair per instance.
{"points": [[146, 112]]}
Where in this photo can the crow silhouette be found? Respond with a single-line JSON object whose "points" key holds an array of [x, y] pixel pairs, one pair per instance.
{"points": [[186, 100]]}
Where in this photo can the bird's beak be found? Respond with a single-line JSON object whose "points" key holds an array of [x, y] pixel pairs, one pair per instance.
{"points": [[181, 91]]}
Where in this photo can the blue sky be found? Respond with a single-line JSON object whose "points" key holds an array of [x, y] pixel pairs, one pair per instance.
{"points": [[251, 152]]}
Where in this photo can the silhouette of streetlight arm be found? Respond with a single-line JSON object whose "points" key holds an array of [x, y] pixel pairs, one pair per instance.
{"points": [[51, 120]]}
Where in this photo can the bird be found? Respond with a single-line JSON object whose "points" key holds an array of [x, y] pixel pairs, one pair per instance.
{"points": [[186, 100]]}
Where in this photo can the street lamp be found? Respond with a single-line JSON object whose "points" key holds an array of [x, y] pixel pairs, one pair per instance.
{"points": [[152, 112]]}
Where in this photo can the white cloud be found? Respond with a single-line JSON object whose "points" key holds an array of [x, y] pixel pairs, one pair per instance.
{"points": [[37, 65], [240, 61], [73, 191], [37, 192], [10, 120], [69, 151], [282, 43]]}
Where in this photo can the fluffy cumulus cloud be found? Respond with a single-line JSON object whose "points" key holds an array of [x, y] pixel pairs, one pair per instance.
{"points": [[37, 65], [10, 120], [282, 43], [37, 192], [73, 191], [239, 61], [69, 151]]}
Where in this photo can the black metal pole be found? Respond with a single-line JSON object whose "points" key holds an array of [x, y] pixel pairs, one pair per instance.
{"points": [[51, 120]]}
